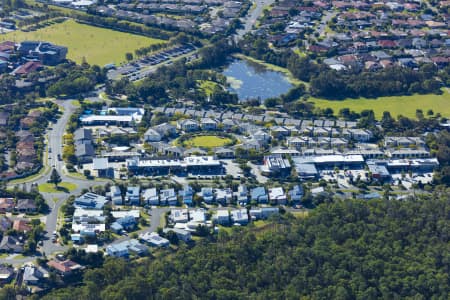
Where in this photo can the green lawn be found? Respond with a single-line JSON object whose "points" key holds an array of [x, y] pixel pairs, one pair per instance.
{"points": [[62, 187], [207, 141], [396, 105], [97, 45], [207, 86]]}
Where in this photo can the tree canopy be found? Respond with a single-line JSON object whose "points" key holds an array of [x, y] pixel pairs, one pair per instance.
{"points": [[345, 250]]}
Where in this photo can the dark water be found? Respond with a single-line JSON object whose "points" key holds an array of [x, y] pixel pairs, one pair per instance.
{"points": [[254, 81]]}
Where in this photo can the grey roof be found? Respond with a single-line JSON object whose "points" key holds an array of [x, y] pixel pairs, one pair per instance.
{"points": [[25, 204], [100, 163], [10, 243], [84, 150], [82, 134]]}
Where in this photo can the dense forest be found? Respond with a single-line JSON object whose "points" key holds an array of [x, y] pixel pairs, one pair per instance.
{"points": [[345, 250]]}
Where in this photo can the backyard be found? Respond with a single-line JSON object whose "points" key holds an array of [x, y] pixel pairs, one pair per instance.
{"points": [[94, 44]]}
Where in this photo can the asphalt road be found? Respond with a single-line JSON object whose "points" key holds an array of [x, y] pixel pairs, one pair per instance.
{"points": [[250, 19], [54, 146], [155, 220]]}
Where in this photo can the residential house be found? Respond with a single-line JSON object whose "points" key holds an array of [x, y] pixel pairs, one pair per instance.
{"points": [[279, 132], [116, 195], [179, 216], [259, 195], [239, 216], [223, 153], [5, 223], [153, 239], [82, 136], [6, 205], [229, 124], [150, 197], [207, 194], [242, 195], [125, 223], [22, 225], [187, 195], [84, 153], [277, 196], [208, 124], [403, 142], [124, 249], [33, 275], [6, 274], [222, 217], [296, 194], [165, 130], [183, 235], [188, 125], [25, 206], [11, 244], [102, 168], [297, 142], [359, 135], [90, 201], [223, 196], [132, 196], [263, 212], [65, 267], [261, 137], [168, 197], [151, 135]]}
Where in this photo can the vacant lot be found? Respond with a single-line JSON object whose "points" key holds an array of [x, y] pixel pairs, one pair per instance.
{"points": [[207, 141], [97, 45], [397, 105]]}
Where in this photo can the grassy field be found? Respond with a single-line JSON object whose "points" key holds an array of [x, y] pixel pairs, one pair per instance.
{"points": [[207, 141], [396, 105], [62, 187], [97, 45]]}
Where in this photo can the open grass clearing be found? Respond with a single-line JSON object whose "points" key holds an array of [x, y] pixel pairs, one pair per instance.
{"points": [[62, 187], [207, 86], [207, 141], [96, 45], [396, 105]]}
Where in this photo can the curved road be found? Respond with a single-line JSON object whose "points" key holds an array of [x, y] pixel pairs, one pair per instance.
{"points": [[54, 146], [250, 19]]}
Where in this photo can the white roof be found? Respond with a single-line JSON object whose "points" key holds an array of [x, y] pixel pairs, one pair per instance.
{"points": [[179, 215], [80, 212], [223, 213], [197, 215], [125, 213], [239, 215], [150, 193], [88, 227], [187, 161], [338, 158], [91, 248], [276, 193]]}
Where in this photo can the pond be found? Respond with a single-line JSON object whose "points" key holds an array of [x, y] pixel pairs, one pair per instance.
{"points": [[253, 81]]}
